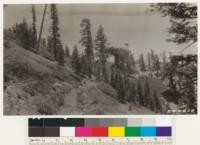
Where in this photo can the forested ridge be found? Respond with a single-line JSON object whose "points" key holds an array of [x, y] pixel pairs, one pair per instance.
{"points": [[56, 79]]}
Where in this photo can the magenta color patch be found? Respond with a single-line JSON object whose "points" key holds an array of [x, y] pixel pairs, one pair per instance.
{"points": [[83, 132]]}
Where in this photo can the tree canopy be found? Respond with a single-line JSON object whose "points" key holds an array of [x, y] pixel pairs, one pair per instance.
{"points": [[183, 18]]}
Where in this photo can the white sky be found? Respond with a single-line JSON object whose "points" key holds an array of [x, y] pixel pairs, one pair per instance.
{"points": [[123, 23]]}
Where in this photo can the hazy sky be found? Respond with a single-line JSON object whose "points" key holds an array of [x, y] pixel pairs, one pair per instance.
{"points": [[123, 23]]}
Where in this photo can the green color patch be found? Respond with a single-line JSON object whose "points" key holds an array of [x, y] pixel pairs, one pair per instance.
{"points": [[132, 131]]}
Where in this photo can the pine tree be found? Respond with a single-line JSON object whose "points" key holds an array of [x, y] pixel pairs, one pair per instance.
{"points": [[131, 67], [182, 78], [106, 76], [75, 60], [152, 54], [127, 88], [60, 54], [98, 70], [67, 52], [164, 58], [133, 94], [121, 87], [149, 64], [151, 105], [43, 43], [34, 30], [86, 41], [183, 19], [183, 30], [141, 63], [50, 48], [23, 34], [188, 92], [43, 51], [56, 43], [43, 46], [83, 66], [164, 62], [119, 84], [139, 93], [156, 65], [100, 46], [112, 77], [147, 94], [152, 57], [156, 103]]}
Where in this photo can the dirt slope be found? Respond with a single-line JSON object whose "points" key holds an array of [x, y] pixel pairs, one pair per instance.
{"points": [[33, 84], [92, 98]]}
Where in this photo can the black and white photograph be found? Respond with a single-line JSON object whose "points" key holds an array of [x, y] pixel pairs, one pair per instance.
{"points": [[100, 59]]}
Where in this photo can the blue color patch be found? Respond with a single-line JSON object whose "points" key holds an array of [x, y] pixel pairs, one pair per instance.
{"points": [[148, 131]]}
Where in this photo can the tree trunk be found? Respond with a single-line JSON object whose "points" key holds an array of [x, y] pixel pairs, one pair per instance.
{"points": [[41, 27]]}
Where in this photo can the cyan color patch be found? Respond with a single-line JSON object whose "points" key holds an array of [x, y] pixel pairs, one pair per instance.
{"points": [[148, 131]]}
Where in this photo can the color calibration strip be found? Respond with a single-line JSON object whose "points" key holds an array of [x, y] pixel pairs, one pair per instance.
{"points": [[100, 127]]}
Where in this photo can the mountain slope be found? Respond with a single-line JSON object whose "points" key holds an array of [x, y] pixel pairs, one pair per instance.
{"points": [[93, 98], [34, 85]]}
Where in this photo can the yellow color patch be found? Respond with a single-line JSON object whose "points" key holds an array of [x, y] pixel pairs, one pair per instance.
{"points": [[116, 131]]}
